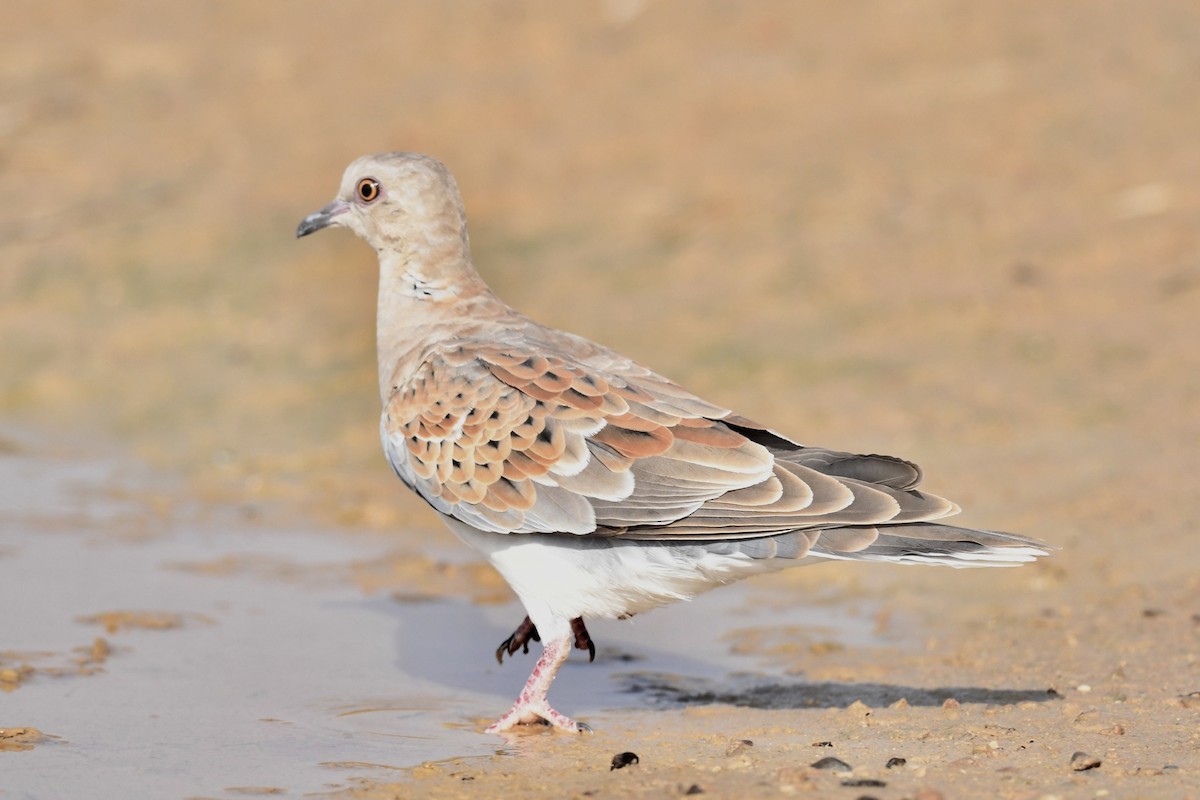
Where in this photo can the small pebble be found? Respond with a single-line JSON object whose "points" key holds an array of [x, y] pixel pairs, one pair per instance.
{"points": [[872, 782], [1081, 761], [829, 762], [896, 761], [736, 746], [622, 760], [822, 744], [694, 789]]}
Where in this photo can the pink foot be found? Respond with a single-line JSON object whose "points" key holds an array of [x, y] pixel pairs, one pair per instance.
{"points": [[532, 705], [536, 713]]}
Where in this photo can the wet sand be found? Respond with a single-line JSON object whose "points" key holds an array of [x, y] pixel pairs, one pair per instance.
{"points": [[962, 234]]}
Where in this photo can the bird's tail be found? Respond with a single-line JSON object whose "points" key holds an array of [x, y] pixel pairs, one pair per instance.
{"points": [[927, 543]]}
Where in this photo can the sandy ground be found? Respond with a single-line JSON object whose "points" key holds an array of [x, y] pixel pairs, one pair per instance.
{"points": [[961, 233]]}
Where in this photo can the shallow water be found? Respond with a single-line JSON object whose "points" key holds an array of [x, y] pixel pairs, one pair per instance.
{"points": [[243, 657]]}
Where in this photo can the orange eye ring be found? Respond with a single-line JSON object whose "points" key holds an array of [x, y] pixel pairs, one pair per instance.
{"points": [[367, 190]]}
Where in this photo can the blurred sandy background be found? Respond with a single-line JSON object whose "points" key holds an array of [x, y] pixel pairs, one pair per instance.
{"points": [[964, 233]]}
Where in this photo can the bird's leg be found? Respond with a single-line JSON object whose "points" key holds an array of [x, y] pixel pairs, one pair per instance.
{"points": [[532, 705], [519, 639], [526, 631], [582, 640]]}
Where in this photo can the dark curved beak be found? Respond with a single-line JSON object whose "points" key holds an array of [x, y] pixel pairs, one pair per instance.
{"points": [[321, 219]]}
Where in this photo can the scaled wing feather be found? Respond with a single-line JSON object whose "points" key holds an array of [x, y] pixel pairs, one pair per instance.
{"points": [[520, 437]]}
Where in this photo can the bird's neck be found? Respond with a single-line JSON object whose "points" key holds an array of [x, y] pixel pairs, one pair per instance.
{"points": [[425, 298]]}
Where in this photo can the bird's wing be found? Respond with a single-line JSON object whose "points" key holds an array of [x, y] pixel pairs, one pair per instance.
{"points": [[518, 438]]}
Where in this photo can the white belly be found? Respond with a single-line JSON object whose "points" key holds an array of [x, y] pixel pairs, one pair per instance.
{"points": [[562, 577]]}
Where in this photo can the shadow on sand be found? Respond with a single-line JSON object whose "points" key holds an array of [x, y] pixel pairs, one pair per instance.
{"points": [[674, 690]]}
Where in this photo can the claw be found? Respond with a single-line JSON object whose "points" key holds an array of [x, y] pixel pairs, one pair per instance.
{"points": [[583, 641], [527, 631], [519, 640]]}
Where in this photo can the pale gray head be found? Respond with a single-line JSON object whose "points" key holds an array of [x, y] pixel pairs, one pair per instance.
{"points": [[404, 203]]}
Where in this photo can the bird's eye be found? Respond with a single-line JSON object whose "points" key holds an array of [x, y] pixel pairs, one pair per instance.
{"points": [[368, 190]]}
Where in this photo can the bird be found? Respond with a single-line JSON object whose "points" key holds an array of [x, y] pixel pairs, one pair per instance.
{"points": [[595, 486]]}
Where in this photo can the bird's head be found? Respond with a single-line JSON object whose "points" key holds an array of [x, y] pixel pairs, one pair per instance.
{"points": [[398, 202]]}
